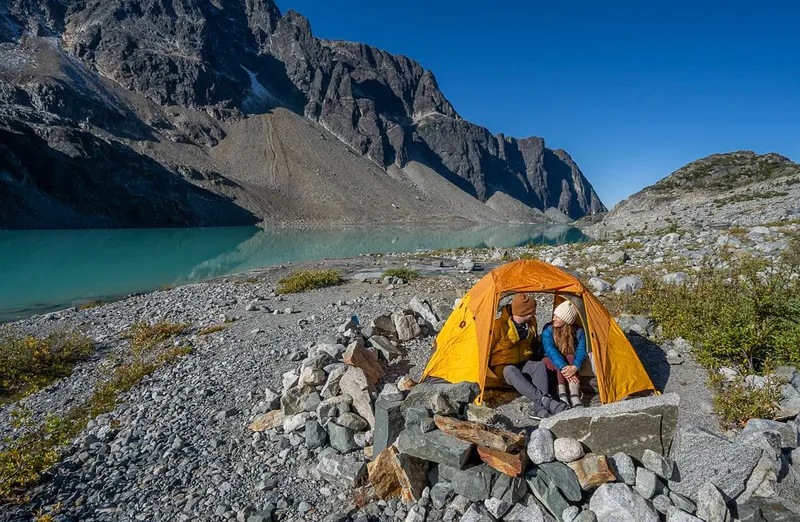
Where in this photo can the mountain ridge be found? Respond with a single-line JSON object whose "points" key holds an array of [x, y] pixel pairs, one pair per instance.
{"points": [[204, 67]]}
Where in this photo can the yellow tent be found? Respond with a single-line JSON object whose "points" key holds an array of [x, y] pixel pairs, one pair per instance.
{"points": [[464, 343]]}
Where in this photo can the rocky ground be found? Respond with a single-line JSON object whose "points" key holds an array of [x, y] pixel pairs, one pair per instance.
{"points": [[179, 448]]}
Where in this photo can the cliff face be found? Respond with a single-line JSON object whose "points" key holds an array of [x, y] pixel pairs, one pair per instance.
{"points": [[146, 71]]}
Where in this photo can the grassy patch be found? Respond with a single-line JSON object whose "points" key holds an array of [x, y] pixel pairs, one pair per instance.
{"points": [[738, 198], [402, 273], [89, 304], [37, 445], [29, 363], [738, 231], [308, 280], [212, 329], [740, 312]]}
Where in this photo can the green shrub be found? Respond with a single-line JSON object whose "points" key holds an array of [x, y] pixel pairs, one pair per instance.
{"points": [[212, 329], [403, 273], [29, 363], [308, 280], [736, 402]]}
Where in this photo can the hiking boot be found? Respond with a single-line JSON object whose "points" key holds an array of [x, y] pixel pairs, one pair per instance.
{"points": [[554, 405], [539, 414]]}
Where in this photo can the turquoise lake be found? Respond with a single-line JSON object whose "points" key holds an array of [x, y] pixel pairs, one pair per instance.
{"points": [[44, 270]]}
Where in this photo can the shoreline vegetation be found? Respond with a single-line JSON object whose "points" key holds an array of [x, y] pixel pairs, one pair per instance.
{"points": [[738, 308]]}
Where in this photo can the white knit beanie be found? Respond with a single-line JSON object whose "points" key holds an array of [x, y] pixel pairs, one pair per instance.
{"points": [[566, 312]]}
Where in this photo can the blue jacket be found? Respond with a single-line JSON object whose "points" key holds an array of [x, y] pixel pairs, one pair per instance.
{"points": [[550, 350]]}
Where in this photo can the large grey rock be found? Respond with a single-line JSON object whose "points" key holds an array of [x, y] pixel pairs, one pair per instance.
{"points": [[615, 502], [701, 456], [658, 464], [676, 278], [474, 482], [567, 449], [407, 327], [647, 483], [460, 394], [331, 387], [356, 384], [674, 514], [389, 423], [316, 435], [788, 431], [541, 446], [342, 470], [341, 438], [422, 308], [628, 285], [628, 426], [435, 446], [711, 505], [509, 489], [496, 507], [440, 494], [623, 467], [563, 477], [546, 493], [528, 510], [386, 348], [384, 325], [600, 285]]}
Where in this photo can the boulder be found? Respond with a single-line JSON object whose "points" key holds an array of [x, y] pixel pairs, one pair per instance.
{"points": [[361, 357], [481, 434], [440, 494], [341, 438], [628, 285], [295, 422], [412, 474], [382, 476], [316, 435], [461, 393], [267, 421], [600, 285], [331, 387], [701, 456], [496, 507], [541, 446], [623, 467], [509, 489], [676, 278], [474, 483], [352, 421], [423, 309], [389, 423], [527, 510], [511, 464], [567, 449], [619, 257], [658, 464], [406, 327], [647, 483], [342, 470], [615, 502], [386, 348], [293, 400], [628, 426], [592, 471], [356, 384], [316, 362], [711, 505], [435, 446], [547, 493], [788, 431], [383, 325], [563, 477], [674, 514]]}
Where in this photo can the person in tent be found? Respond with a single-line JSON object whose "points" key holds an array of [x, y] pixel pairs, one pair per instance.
{"points": [[515, 356], [565, 351]]}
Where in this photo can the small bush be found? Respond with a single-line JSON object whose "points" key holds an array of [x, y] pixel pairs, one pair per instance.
{"points": [[308, 280], [145, 336], [89, 304], [737, 402], [28, 363], [212, 329], [402, 273]]}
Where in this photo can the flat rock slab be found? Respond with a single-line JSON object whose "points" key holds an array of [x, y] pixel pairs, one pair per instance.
{"points": [[435, 446], [511, 464], [701, 456], [389, 422], [474, 483], [267, 421], [630, 426], [480, 434], [458, 393], [342, 470]]}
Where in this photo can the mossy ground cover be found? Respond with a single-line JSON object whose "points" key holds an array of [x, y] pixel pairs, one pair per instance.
{"points": [[308, 280]]}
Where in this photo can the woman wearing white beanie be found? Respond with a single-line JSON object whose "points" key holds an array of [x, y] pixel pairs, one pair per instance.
{"points": [[565, 351]]}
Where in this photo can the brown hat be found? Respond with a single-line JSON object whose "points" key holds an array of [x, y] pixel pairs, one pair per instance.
{"points": [[522, 305]]}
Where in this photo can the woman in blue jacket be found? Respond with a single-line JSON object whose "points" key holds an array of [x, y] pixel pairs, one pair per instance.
{"points": [[565, 351]]}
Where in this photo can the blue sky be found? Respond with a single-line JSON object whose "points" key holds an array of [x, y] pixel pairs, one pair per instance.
{"points": [[632, 90]]}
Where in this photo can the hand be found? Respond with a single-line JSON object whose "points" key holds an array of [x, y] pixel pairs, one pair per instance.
{"points": [[573, 380], [569, 371]]}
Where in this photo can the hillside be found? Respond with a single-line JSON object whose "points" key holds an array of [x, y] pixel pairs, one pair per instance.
{"points": [[144, 113], [736, 188]]}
